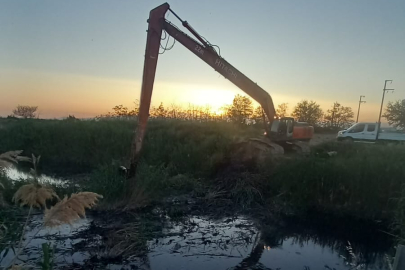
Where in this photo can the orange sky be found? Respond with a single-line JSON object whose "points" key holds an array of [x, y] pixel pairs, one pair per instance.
{"points": [[59, 95]]}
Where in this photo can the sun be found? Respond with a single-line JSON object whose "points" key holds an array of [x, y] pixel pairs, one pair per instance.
{"points": [[218, 111], [216, 99]]}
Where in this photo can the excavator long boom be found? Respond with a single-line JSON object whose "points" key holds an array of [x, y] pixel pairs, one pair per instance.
{"points": [[202, 49]]}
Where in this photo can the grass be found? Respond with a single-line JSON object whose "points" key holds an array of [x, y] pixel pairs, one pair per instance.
{"points": [[153, 183], [179, 157], [11, 220], [399, 219], [361, 180], [106, 180], [69, 147], [76, 146]]}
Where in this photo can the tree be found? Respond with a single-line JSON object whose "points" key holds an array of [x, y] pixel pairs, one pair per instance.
{"points": [[174, 111], [240, 110], [395, 113], [340, 116], [307, 111], [25, 111], [120, 110], [159, 111], [282, 110], [258, 115]]}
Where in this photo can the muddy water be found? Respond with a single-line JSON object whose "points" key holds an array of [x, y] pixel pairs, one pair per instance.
{"points": [[201, 243]]}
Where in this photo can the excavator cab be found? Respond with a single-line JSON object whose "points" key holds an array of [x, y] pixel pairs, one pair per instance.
{"points": [[281, 129]]}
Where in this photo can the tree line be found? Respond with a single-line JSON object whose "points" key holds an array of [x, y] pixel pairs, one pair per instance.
{"points": [[242, 111]]}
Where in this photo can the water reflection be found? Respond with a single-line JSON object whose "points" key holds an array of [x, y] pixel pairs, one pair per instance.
{"points": [[62, 238], [16, 175], [196, 243], [238, 244]]}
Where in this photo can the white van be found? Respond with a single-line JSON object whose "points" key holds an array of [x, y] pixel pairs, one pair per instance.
{"points": [[368, 132]]}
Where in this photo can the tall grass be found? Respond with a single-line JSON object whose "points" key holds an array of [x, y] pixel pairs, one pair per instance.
{"points": [[399, 221], [81, 146], [361, 180], [153, 183], [68, 146]]}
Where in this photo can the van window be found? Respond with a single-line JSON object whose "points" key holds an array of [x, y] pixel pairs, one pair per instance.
{"points": [[358, 128], [370, 128]]}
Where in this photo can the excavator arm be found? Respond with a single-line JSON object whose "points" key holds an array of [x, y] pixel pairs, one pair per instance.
{"points": [[200, 48]]}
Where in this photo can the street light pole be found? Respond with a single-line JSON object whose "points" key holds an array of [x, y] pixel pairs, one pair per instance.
{"points": [[358, 111], [382, 103]]}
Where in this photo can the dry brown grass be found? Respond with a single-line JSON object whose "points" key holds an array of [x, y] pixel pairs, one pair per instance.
{"points": [[69, 210], [34, 195], [9, 158]]}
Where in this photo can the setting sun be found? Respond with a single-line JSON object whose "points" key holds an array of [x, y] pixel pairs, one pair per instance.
{"points": [[215, 98]]}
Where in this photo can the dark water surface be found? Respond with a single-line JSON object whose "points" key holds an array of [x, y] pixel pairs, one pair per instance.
{"points": [[237, 244], [202, 243]]}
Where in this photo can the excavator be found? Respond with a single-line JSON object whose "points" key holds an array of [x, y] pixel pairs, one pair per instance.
{"points": [[280, 133]]}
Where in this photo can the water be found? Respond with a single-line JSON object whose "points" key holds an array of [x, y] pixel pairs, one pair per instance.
{"points": [[62, 238], [204, 243], [238, 244], [16, 175]]}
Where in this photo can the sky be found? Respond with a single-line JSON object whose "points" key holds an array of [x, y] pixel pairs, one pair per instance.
{"points": [[84, 57]]}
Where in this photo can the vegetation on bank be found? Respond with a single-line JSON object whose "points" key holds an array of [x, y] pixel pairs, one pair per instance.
{"points": [[71, 146], [34, 194], [361, 181]]}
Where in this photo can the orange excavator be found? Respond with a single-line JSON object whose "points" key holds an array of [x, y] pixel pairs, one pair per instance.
{"points": [[280, 133]]}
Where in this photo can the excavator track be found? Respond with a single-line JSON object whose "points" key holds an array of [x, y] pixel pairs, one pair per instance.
{"points": [[255, 150], [301, 147]]}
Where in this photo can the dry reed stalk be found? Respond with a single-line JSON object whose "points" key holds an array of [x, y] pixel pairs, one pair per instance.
{"points": [[69, 210], [9, 158], [34, 195]]}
